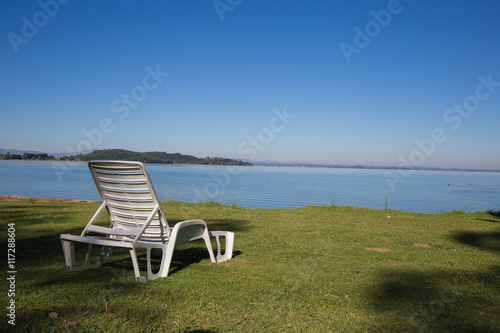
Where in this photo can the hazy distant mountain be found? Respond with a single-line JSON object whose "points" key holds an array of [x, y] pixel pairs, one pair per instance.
{"points": [[20, 152], [73, 153]]}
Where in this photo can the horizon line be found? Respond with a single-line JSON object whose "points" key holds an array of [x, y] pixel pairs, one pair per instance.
{"points": [[292, 164]]}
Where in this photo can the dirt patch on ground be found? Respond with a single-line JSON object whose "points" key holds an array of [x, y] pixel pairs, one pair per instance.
{"points": [[43, 200], [377, 249], [425, 246]]}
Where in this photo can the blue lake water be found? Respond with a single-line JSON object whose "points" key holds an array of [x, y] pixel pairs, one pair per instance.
{"points": [[272, 187]]}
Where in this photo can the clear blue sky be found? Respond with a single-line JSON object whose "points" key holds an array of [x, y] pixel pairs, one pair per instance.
{"points": [[363, 79]]}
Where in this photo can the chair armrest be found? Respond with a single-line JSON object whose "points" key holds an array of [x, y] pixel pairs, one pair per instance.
{"points": [[228, 248], [189, 230], [93, 219]]}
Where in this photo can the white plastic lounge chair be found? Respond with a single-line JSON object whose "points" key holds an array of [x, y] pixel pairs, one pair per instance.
{"points": [[137, 221]]}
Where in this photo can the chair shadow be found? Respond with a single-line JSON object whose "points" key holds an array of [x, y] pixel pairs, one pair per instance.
{"points": [[181, 259]]}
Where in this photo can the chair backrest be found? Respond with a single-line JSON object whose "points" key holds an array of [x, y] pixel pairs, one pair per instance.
{"points": [[129, 195]]}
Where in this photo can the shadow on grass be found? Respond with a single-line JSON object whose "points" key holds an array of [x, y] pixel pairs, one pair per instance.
{"points": [[495, 214], [489, 241], [444, 301], [118, 267], [90, 292], [437, 301], [94, 291], [181, 259], [19, 214]]}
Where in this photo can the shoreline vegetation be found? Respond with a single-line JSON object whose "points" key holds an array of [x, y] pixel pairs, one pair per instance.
{"points": [[310, 269], [153, 157]]}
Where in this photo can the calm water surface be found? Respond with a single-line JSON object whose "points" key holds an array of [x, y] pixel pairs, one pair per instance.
{"points": [[271, 187]]}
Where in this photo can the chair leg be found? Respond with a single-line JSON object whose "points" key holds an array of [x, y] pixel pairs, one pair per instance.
{"points": [[166, 260], [135, 263], [208, 243], [150, 275], [149, 271], [69, 253], [228, 252], [69, 257]]}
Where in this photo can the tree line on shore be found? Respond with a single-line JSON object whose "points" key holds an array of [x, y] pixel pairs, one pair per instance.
{"points": [[127, 155], [27, 156]]}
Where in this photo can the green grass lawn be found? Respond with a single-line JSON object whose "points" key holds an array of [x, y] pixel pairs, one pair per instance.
{"points": [[313, 269]]}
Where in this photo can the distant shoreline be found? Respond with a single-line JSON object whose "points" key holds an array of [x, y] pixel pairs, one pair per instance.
{"points": [[278, 165], [367, 167]]}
